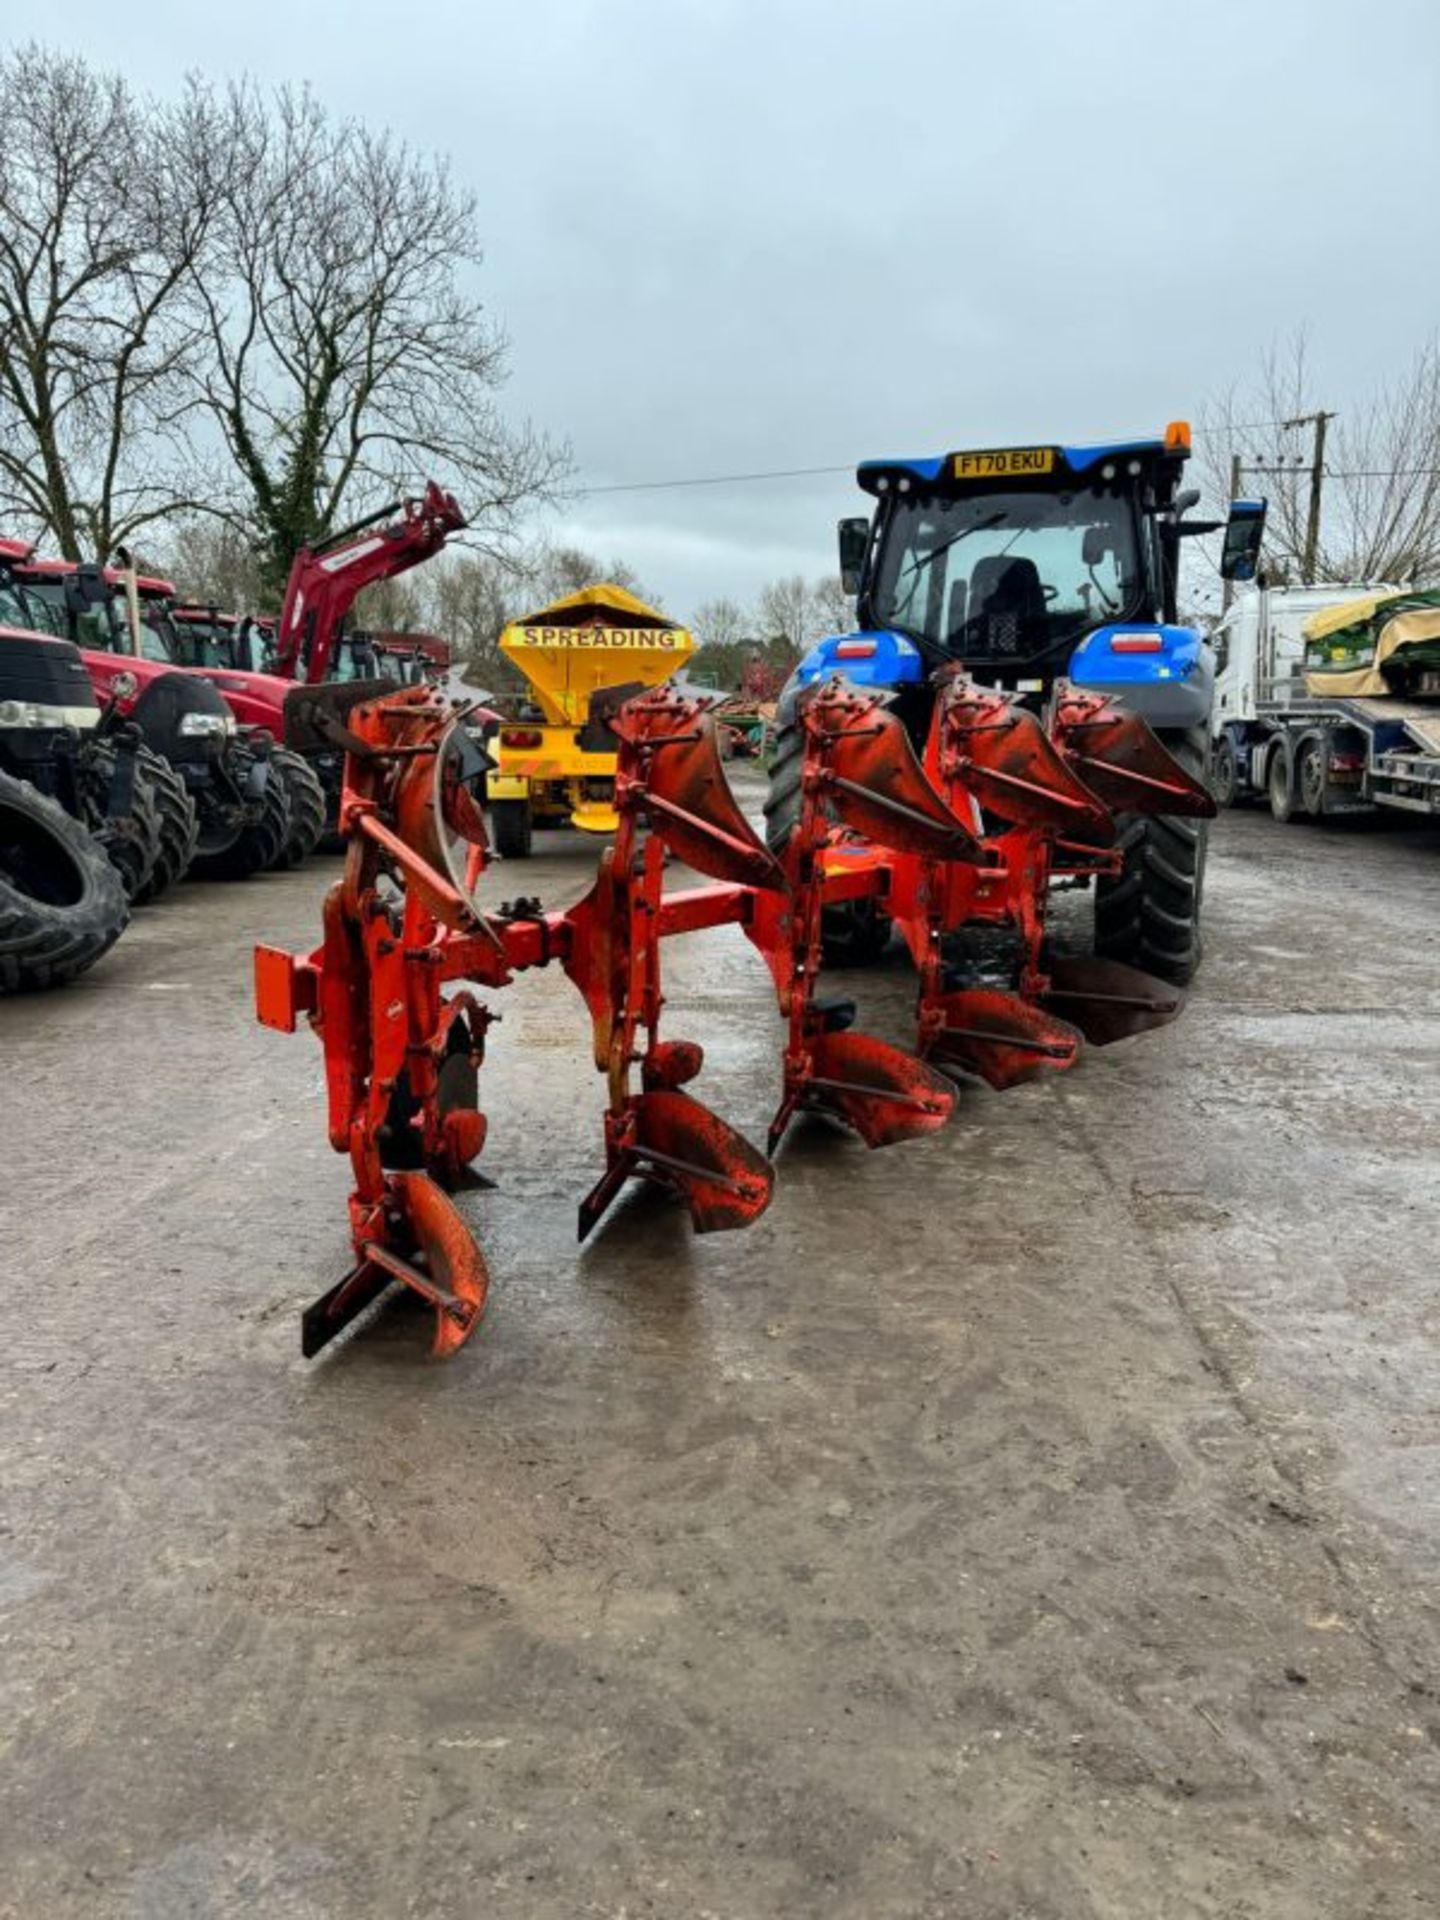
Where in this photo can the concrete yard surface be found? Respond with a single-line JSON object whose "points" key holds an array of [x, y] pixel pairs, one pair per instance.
{"points": [[1038, 1522]]}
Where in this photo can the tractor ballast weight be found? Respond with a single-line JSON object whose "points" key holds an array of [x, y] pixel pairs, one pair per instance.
{"points": [[965, 833]]}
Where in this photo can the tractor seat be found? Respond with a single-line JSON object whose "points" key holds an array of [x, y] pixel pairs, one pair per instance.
{"points": [[1005, 595], [999, 585]]}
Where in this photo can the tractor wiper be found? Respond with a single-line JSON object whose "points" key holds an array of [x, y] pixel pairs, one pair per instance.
{"points": [[923, 560]]}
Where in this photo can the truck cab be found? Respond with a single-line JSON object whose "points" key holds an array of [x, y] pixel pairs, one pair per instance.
{"points": [[1259, 644]]}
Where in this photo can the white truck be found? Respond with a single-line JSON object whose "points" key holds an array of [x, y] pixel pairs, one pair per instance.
{"points": [[1323, 739]]}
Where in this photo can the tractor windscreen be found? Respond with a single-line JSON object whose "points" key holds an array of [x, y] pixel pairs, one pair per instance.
{"points": [[1007, 577], [20, 608]]}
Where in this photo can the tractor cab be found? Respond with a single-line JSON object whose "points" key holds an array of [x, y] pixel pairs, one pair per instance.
{"points": [[1029, 564]]}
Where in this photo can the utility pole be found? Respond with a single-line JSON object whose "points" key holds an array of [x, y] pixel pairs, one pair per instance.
{"points": [[1227, 587], [1319, 421]]}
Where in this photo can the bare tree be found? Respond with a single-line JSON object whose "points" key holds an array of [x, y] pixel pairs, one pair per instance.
{"points": [[550, 573], [721, 624], [213, 563], [100, 223], [1380, 496], [345, 353], [787, 613], [834, 610]]}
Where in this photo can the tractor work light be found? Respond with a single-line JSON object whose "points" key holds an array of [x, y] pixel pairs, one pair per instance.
{"points": [[205, 726], [31, 714]]}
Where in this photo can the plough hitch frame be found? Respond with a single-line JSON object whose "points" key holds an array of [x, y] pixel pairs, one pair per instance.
{"points": [[959, 837]]}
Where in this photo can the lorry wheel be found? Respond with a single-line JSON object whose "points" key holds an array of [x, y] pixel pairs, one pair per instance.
{"points": [[511, 824], [179, 825], [1148, 914], [261, 841], [853, 935], [1224, 772], [307, 805], [61, 901], [1310, 777], [131, 841], [1280, 786]]}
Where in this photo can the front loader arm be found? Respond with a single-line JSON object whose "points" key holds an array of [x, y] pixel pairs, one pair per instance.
{"points": [[325, 580]]}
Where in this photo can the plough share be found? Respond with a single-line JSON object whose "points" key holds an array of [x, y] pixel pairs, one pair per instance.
{"points": [[957, 843]]}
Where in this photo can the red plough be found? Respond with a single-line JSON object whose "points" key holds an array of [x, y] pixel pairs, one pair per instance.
{"points": [[956, 844]]}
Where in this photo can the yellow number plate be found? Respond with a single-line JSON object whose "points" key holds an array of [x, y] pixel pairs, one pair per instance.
{"points": [[1005, 463]]}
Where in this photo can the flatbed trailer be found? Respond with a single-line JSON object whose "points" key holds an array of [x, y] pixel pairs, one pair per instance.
{"points": [[1308, 753], [1312, 757]]}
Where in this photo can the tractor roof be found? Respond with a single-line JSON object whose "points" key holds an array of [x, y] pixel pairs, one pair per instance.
{"points": [[149, 584], [989, 465]]}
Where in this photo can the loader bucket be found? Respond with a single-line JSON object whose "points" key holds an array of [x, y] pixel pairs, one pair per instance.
{"points": [[671, 1139], [1004, 757], [873, 782], [687, 795], [429, 1249], [998, 1036], [883, 1093], [1107, 1000], [1118, 756]]}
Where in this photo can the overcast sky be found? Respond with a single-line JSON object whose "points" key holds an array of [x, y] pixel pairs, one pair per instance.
{"points": [[728, 236]]}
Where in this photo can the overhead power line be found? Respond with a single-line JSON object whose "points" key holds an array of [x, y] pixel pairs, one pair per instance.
{"points": [[719, 479], [848, 466]]}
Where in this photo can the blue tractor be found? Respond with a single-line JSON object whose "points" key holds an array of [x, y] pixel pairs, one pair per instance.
{"points": [[1029, 565]]}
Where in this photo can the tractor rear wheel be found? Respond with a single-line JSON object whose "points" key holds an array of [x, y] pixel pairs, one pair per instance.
{"points": [[261, 841], [62, 904], [179, 825], [511, 824], [1148, 915], [307, 805], [130, 840], [853, 935]]}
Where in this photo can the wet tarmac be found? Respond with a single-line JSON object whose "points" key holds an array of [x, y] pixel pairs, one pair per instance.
{"points": [[1037, 1522]]}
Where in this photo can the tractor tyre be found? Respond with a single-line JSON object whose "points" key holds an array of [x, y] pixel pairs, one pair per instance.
{"points": [[782, 796], [179, 825], [1148, 915], [511, 824], [62, 904], [307, 805], [853, 935], [261, 841], [130, 841]]}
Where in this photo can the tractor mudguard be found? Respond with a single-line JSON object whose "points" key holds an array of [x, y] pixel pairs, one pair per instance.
{"points": [[1166, 674], [875, 660]]}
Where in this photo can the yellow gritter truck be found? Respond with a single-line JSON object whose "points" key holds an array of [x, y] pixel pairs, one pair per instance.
{"points": [[551, 768]]}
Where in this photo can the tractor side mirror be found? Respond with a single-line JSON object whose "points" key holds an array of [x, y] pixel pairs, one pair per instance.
{"points": [[854, 541], [1244, 531], [87, 586]]}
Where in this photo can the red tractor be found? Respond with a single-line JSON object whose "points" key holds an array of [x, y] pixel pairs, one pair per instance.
{"points": [[255, 662], [241, 807]]}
